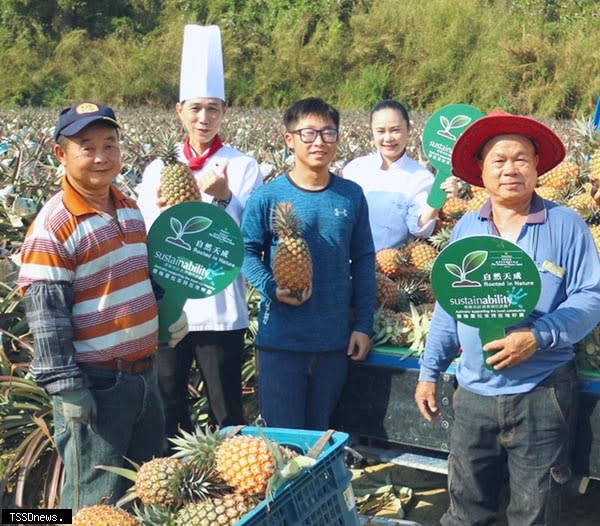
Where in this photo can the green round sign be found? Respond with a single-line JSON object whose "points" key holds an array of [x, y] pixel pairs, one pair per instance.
{"points": [[195, 250], [440, 133], [486, 282]]}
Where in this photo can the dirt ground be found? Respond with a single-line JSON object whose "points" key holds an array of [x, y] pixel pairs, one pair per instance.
{"points": [[430, 500]]}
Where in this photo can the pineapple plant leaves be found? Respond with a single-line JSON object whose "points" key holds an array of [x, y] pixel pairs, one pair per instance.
{"points": [[26, 427]]}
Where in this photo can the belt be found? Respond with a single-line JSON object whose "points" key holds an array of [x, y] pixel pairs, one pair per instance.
{"points": [[136, 366]]}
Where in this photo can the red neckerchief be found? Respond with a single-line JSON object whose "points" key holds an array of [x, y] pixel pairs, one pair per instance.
{"points": [[195, 162]]}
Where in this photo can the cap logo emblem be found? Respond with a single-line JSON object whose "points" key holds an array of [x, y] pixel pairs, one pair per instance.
{"points": [[87, 107]]}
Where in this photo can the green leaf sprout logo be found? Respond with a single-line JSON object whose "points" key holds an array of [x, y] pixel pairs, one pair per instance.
{"points": [[192, 226], [458, 121], [472, 261]]}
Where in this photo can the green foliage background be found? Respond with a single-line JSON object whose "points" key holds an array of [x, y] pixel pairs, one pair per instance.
{"points": [[537, 57]]}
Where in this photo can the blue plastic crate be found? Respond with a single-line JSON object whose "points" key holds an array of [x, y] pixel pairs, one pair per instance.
{"points": [[319, 496]]}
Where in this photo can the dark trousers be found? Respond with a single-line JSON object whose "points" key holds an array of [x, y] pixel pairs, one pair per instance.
{"points": [[218, 355], [300, 390], [528, 436]]}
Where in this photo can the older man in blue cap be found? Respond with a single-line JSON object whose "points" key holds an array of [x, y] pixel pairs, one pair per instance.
{"points": [[92, 311]]}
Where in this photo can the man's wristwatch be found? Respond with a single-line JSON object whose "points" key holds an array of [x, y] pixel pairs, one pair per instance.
{"points": [[223, 203]]}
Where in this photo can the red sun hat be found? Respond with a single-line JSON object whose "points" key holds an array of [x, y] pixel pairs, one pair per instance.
{"points": [[549, 147]]}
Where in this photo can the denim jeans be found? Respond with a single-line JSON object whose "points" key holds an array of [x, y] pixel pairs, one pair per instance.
{"points": [[526, 436], [300, 390], [129, 423]]}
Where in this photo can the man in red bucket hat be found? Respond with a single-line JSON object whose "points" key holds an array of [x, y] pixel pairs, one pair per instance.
{"points": [[515, 419]]}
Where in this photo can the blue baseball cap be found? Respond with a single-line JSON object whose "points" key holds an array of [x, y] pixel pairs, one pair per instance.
{"points": [[75, 118]]}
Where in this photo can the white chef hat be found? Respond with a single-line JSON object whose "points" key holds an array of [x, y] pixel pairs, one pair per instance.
{"points": [[201, 63]]}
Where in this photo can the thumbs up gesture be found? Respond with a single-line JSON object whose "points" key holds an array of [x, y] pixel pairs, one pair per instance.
{"points": [[215, 182]]}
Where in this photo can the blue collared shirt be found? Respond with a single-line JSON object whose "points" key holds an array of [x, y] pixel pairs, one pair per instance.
{"points": [[567, 310]]}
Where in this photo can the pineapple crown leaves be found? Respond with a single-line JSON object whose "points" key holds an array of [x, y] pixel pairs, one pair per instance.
{"points": [[387, 327], [167, 147], [587, 131], [191, 484], [380, 335], [197, 448], [154, 515], [130, 474], [421, 323], [285, 222], [441, 238]]}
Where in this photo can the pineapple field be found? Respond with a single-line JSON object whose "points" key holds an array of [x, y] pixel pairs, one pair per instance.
{"points": [[30, 471]]}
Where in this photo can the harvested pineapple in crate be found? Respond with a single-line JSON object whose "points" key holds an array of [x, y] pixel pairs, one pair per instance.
{"points": [[319, 495], [245, 476]]}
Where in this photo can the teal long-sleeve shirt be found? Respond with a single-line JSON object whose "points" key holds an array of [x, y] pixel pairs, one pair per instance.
{"points": [[335, 225]]}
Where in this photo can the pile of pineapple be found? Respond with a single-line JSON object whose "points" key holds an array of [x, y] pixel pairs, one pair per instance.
{"points": [[211, 479], [404, 295]]}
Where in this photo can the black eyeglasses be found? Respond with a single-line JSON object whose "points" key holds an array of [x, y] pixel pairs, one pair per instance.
{"points": [[308, 135]]}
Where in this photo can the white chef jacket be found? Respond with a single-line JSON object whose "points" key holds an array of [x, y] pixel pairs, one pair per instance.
{"points": [[228, 309], [395, 197]]}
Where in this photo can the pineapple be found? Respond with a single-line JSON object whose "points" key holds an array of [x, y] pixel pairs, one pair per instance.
{"points": [[247, 463], [225, 510], [169, 482], [550, 193], [177, 182], [477, 201], [104, 515], [453, 208], [292, 263], [421, 255], [389, 261], [562, 176], [402, 329], [583, 203], [156, 481], [197, 448], [387, 291]]}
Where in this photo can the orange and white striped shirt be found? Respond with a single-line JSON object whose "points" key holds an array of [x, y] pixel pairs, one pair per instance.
{"points": [[114, 314]]}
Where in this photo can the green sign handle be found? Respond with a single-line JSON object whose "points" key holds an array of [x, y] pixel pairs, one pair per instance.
{"points": [[170, 308], [489, 334], [437, 196]]}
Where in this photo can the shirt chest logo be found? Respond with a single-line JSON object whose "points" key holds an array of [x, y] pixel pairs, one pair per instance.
{"points": [[340, 212]]}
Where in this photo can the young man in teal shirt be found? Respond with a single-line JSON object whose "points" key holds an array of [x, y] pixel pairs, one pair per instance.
{"points": [[305, 342]]}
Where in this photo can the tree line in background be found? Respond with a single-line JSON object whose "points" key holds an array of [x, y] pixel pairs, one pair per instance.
{"points": [[538, 57]]}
